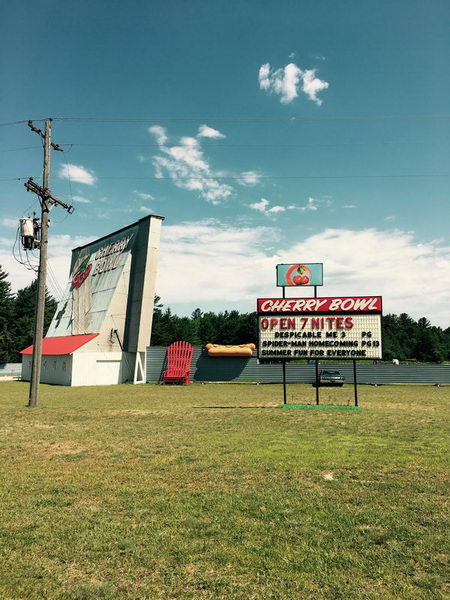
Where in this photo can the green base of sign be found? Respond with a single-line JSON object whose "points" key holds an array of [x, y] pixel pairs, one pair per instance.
{"points": [[320, 406]]}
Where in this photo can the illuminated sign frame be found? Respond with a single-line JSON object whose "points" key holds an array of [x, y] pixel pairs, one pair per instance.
{"points": [[299, 275], [320, 328]]}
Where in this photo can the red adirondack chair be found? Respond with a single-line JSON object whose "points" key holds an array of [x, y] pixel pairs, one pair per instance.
{"points": [[179, 358]]}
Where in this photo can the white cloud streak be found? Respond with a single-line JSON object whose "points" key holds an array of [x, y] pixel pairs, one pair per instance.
{"points": [[249, 178], [188, 168], [159, 133], [14, 223], [209, 132], [215, 262], [81, 199], [59, 253], [143, 195], [239, 266], [260, 206], [77, 174], [285, 82], [263, 206]]}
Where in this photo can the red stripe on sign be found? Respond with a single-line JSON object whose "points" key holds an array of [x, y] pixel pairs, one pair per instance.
{"points": [[360, 304]]}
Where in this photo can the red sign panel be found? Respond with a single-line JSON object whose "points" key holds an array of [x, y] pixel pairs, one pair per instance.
{"points": [[360, 304]]}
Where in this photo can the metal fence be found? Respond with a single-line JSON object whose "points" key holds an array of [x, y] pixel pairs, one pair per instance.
{"points": [[10, 369], [245, 370]]}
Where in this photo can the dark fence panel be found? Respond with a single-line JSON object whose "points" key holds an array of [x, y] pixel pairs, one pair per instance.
{"points": [[245, 370], [10, 368]]}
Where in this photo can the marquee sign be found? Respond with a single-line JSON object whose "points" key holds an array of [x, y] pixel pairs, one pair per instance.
{"points": [[324, 328], [352, 304]]}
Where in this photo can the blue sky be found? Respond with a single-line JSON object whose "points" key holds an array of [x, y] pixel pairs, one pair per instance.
{"points": [[264, 132]]}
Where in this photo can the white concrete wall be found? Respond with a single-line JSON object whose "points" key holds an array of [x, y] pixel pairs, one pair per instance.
{"points": [[83, 368], [102, 368]]}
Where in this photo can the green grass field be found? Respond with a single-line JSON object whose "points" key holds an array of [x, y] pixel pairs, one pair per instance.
{"points": [[208, 491]]}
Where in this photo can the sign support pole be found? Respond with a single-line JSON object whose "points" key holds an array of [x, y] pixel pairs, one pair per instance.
{"points": [[317, 364], [284, 363], [317, 382], [355, 383]]}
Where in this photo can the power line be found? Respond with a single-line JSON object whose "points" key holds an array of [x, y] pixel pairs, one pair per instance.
{"points": [[268, 177], [261, 177], [71, 145], [232, 119], [19, 148], [248, 119], [260, 145], [7, 123]]}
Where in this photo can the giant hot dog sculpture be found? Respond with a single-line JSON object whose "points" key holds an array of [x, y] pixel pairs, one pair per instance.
{"points": [[237, 350]]}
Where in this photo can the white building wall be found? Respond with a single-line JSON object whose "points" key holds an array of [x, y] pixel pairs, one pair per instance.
{"points": [[83, 368], [101, 368], [56, 369]]}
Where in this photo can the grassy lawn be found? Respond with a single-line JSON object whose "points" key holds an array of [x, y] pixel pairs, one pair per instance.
{"points": [[207, 491]]}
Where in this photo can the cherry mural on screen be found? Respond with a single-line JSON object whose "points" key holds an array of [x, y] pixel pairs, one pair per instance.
{"points": [[82, 272]]}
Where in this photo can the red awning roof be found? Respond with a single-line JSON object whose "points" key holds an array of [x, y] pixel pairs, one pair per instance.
{"points": [[65, 344]]}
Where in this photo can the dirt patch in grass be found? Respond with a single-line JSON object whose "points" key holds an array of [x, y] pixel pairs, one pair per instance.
{"points": [[64, 448]]}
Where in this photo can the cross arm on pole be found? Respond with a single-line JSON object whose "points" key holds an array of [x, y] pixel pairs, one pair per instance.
{"points": [[45, 195], [56, 147]]}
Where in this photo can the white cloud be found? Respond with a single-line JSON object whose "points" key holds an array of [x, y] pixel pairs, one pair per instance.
{"points": [[349, 206], [14, 223], [312, 85], [390, 218], [263, 76], [81, 199], [143, 195], [212, 262], [209, 132], [159, 133], [249, 178], [59, 253], [77, 173], [188, 168], [285, 82], [310, 205], [145, 209], [263, 206], [215, 258], [215, 262]]}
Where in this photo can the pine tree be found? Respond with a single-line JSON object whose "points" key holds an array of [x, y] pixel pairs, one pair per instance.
{"points": [[24, 311], [6, 312]]}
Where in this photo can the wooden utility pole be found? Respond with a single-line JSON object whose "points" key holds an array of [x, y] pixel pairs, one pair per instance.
{"points": [[47, 202]]}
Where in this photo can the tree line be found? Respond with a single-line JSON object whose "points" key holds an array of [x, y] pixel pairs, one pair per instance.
{"points": [[403, 337], [17, 318]]}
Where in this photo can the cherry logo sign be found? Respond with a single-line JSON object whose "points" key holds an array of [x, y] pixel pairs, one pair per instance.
{"points": [[81, 273], [298, 275]]}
